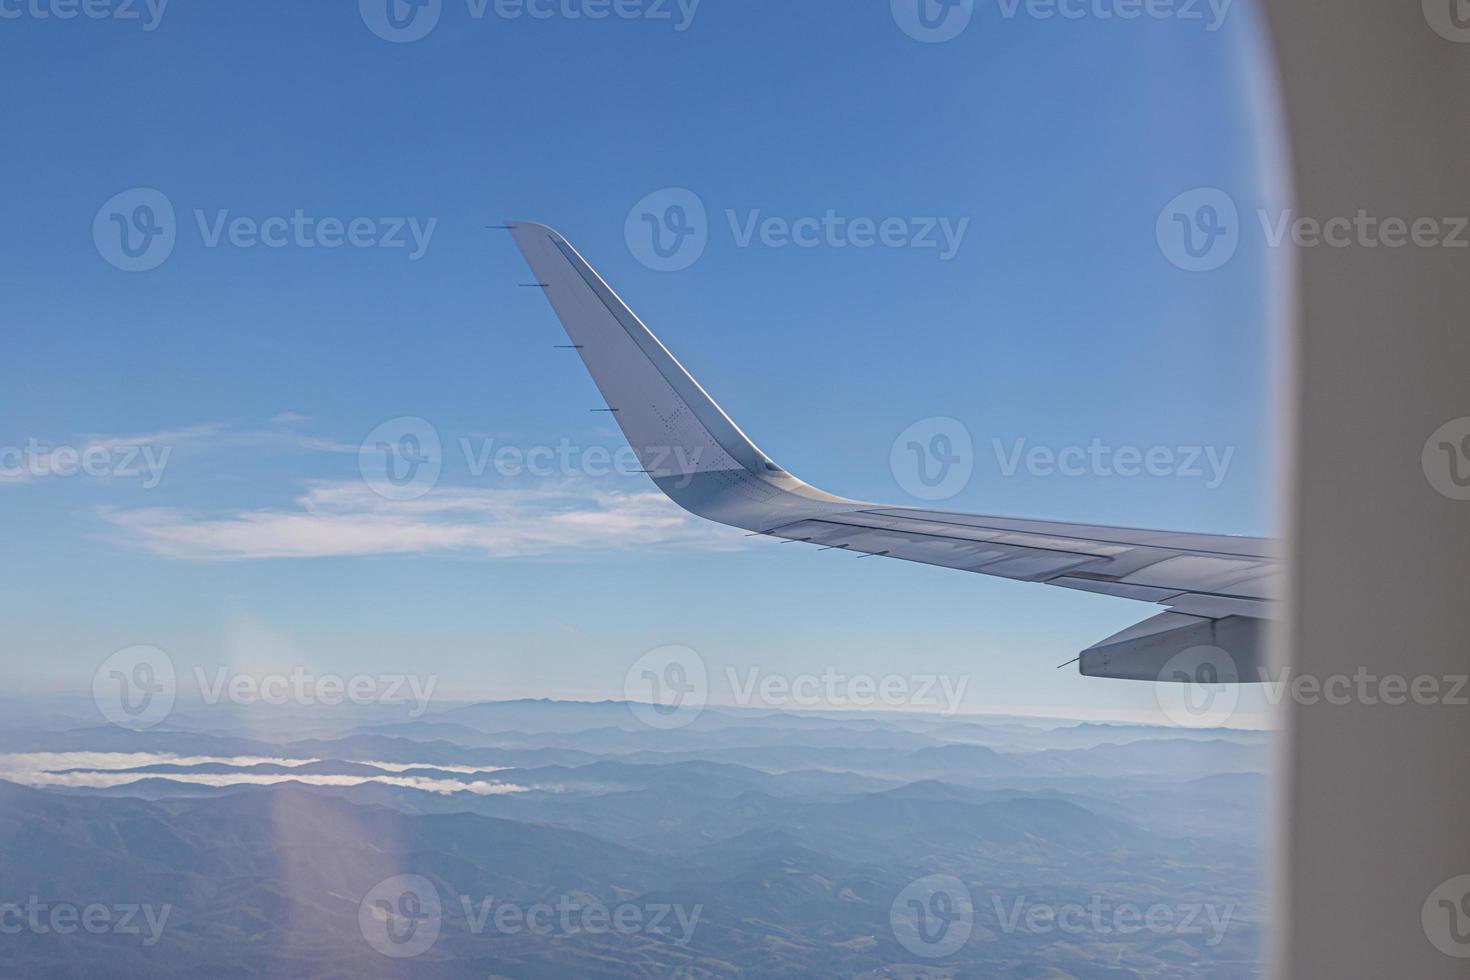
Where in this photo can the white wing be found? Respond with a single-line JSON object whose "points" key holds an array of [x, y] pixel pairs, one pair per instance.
{"points": [[1218, 588]]}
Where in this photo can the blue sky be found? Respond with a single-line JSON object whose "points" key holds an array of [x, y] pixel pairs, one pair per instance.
{"points": [[1058, 320]]}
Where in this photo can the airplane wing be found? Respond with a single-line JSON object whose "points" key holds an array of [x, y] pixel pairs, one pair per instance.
{"points": [[1218, 589]]}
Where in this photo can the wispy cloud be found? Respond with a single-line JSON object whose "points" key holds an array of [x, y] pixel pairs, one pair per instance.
{"points": [[165, 437], [348, 519]]}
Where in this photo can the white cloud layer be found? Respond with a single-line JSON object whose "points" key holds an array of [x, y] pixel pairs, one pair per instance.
{"points": [[96, 770], [348, 519]]}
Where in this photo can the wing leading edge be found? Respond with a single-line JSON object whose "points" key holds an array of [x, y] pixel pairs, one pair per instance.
{"points": [[1218, 588]]}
